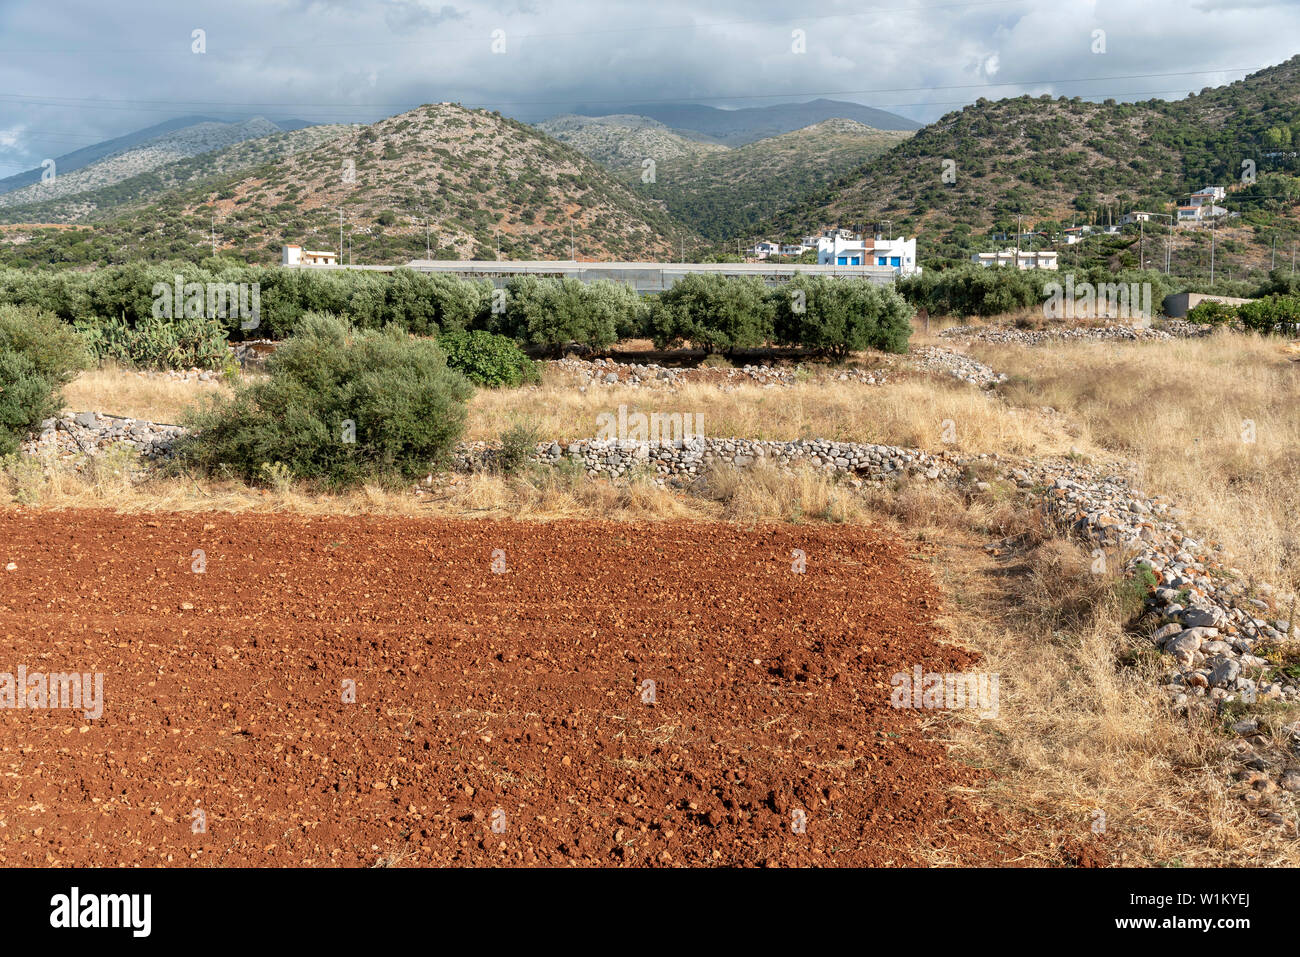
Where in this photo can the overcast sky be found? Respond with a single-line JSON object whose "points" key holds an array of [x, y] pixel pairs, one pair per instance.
{"points": [[74, 72]]}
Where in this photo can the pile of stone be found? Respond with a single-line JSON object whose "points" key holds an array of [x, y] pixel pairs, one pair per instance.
{"points": [[607, 372], [1137, 331], [92, 433], [957, 365], [678, 462], [1216, 626]]}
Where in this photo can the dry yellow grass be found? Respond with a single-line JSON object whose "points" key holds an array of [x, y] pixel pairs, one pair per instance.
{"points": [[119, 391], [1212, 423], [908, 411], [1076, 736]]}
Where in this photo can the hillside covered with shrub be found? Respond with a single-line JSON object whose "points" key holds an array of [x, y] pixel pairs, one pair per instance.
{"points": [[476, 177]]}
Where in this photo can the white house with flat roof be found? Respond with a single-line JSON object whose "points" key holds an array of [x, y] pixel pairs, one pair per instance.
{"points": [[897, 254], [297, 256], [1020, 259]]}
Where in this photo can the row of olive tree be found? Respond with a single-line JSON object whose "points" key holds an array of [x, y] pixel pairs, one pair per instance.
{"points": [[717, 313], [829, 314]]}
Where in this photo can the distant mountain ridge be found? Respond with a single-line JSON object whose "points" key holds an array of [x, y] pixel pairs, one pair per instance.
{"points": [[86, 155], [737, 127], [97, 202], [623, 140]]}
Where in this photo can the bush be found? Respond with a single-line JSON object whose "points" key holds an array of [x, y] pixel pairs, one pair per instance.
{"points": [[841, 315], [1274, 314], [1212, 313], [715, 313], [551, 312], [972, 290], [38, 355], [339, 406], [518, 443], [488, 359]]}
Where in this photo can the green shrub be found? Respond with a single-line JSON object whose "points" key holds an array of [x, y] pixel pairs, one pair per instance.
{"points": [[1274, 314], [150, 343], [518, 443], [339, 406], [1212, 313], [715, 313], [841, 315], [38, 355], [488, 359], [54, 349], [551, 312]]}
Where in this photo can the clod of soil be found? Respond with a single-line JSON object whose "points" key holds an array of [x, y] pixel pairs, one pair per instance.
{"points": [[286, 690]]}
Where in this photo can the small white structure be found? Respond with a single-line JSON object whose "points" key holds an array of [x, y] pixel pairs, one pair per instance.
{"points": [[1134, 217], [297, 256], [1022, 259], [764, 249]]}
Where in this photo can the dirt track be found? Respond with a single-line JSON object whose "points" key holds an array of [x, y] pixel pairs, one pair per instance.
{"points": [[481, 698]]}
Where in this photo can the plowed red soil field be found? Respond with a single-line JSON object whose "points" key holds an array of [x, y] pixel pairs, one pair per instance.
{"points": [[502, 713]]}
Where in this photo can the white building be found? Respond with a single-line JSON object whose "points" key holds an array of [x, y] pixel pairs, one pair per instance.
{"points": [[297, 256], [1022, 259], [764, 249], [1190, 215], [1210, 195], [899, 254], [1134, 217]]}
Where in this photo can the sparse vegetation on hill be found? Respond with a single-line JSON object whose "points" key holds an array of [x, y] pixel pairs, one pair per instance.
{"points": [[1060, 161], [92, 194], [729, 193], [476, 177], [625, 140]]}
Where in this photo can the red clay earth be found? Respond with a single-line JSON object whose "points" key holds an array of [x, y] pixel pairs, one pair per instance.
{"points": [[512, 699]]}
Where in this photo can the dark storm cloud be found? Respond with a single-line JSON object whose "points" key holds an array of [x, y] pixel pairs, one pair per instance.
{"points": [[95, 70]]}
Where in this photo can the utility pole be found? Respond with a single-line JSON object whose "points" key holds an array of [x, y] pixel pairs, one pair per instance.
{"points": [[340, 234], [572, 257], [428, 244], [1142, 263], [1212, 254], [349, 249], [214, 235], [1274, 266], [497, 234]]}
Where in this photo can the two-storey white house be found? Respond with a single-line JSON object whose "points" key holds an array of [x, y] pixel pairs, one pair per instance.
{"points": [[899, 254]]}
